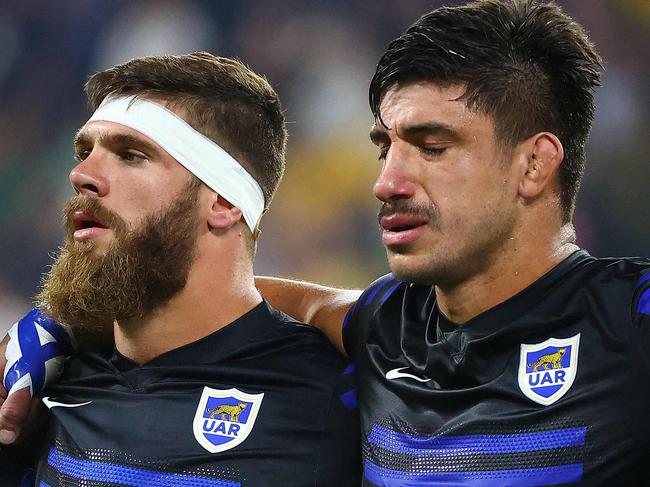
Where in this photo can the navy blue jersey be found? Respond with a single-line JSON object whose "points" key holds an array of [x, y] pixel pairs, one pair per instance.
{"points": [[550, 387], [14, 467], [264, 401]]}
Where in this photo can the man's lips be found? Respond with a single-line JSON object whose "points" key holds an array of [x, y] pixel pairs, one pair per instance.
{"points": [[401, 229], [87, 225], [401, 223], [81, 220]]}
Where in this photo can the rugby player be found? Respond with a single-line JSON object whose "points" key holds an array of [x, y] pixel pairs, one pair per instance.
{"points": [[207, 384], [497, 352]]}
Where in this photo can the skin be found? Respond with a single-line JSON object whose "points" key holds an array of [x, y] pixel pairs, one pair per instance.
{"points": [[126, 171], [139, 177], [132, 176], [494, 225]]}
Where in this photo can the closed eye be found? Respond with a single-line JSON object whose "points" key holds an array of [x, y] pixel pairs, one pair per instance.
{"points": [[433, 151]]}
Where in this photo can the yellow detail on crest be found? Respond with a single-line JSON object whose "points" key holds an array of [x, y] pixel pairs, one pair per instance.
{"points": [[553, 359], [224, 410]]}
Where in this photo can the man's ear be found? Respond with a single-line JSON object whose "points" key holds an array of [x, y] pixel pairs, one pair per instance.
{"points": [[543, 154], [222, 214]]}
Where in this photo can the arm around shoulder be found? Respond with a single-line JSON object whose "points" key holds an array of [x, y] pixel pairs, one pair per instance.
{"points": [[319, 306]]}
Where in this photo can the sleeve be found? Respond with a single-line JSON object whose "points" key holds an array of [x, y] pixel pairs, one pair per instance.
{"points": [[641, 313], [339, 462], [358, 319]]}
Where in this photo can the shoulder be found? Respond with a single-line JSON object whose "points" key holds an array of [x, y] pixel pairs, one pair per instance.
{"points": [[381, 289], [622, 267], [624, 273], [386, 296], [387, 301], [620, 285], [280, 326], [298, 344], [87, 363], [304, 358], [585, 271]]}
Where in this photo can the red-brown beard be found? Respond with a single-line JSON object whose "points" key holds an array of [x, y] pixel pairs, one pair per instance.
{"points": [[142, 269]]}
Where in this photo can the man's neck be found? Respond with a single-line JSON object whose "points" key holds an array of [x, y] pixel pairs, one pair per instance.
{"points": [[507, 276], [211, 299]]}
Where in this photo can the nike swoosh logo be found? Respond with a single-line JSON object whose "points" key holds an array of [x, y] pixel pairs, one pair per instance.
{"points": [[398, 374], [54, 404]]}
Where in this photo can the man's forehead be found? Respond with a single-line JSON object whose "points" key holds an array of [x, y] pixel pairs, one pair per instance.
{"points": [[421, 98], [423, 104], [102, 131]]}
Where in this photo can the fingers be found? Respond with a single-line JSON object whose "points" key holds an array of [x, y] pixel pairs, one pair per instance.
{"points": [[13, 414], [13, 409], [3, 364], [3, 358]]}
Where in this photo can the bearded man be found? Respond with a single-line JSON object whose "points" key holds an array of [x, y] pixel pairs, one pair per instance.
{"points": [[497, 352], [207, 384]]}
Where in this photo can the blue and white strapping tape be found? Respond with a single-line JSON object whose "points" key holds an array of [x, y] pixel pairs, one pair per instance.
{"points": [[37, 349]]}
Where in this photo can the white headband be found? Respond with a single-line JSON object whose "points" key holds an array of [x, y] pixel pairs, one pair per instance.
{"points": [[198, 154]]}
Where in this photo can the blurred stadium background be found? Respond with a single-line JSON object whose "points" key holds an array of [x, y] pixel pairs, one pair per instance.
{"points": [[320, 56]]}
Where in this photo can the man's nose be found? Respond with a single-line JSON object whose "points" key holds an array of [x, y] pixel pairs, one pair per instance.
{"points": [[87, 177], [395, 180]]}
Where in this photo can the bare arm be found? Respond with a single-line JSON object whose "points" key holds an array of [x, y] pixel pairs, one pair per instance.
{"points": [[320, 306]]}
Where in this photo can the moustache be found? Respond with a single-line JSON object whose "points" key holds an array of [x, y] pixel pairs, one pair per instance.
{"points": [[93, 207], [425, 211]]}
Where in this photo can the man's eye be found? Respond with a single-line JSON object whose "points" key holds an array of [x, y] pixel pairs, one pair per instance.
{"points": [[133, 157], [81, 155], [433, 151], [383, 152]]}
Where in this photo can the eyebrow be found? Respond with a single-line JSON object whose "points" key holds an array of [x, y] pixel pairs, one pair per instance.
{"points": [[82, 139], [378, 135], [432, 128]]}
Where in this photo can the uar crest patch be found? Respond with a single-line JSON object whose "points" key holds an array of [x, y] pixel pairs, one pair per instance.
{"points": [[225, 418], [547, 369]]}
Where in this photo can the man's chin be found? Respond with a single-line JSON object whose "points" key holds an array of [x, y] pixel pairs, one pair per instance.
{"points": [[409, 268], [95, 246]]}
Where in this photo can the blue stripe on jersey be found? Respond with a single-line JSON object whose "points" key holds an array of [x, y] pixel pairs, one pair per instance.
{"points": [[367, 296], [377, 286], [390, 291], [350, 400], [128, 476], [43, 484], [476, 444], [643, 279], [350, 312], [350, 369], [528, 477], [644, 303]]}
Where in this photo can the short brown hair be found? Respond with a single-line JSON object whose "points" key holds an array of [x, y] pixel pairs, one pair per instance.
{"points": [[219, 97], [525, 63]]}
